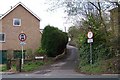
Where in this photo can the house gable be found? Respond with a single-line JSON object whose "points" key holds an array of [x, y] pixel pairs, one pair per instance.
{"points": [[19, 4]]}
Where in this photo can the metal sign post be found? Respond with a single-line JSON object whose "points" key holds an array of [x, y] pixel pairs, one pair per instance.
{"points": [[22, 37], [22, 44], [91, 61], [22, 57], [90, 40]]}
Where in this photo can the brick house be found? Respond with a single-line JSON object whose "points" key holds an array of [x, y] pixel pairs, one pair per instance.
{"points": [[19, 19]]}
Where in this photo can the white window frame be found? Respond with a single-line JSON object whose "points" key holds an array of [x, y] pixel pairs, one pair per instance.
{"points": [[4, 37], [14, 19]]}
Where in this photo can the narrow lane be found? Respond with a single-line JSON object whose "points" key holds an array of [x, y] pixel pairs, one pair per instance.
{"points": [[72, 59], [63, 67]]}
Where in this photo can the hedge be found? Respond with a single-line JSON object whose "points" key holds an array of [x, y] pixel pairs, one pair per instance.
{"points": [[54, 41]]}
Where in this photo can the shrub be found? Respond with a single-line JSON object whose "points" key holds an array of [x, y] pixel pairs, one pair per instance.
{"points": [[53, 41], [40, 51]]}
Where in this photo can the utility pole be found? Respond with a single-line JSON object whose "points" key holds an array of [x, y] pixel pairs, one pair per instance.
{"points": [[65, 29]]}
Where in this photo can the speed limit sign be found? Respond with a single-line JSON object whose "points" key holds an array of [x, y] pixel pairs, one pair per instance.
{"points": [[22, 37], [90, 34]]}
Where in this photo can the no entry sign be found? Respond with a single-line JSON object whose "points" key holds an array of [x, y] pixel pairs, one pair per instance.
{"points": [[22, 37]]}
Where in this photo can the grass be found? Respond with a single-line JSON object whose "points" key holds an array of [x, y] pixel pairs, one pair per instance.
{"points": [[32, 66], [3, 68], [29, 66], [92, 69], [104, 66]]}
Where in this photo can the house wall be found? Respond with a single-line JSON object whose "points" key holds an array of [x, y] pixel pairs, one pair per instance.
{"points": [[0, 32], [29, 25], [0, 26]]}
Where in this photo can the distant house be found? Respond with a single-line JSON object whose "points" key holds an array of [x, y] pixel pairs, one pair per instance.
{"points": [[16, 20], [41, 30]]}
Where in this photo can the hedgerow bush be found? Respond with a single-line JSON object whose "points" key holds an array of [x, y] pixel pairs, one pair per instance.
{"points": [[54, 41]]}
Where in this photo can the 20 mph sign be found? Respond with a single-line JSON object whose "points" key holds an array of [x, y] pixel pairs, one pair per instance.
{"points": [[90, 34], [22, 37]]}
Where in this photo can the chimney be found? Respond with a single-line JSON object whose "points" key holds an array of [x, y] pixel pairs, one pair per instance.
{"points": [[11, 7]]}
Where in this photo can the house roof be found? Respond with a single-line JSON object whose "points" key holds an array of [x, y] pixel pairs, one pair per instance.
{"points": [[23, 7]]}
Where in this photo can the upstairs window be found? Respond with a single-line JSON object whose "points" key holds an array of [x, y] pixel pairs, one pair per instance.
{"points": [[16, 22], [2, 37]]}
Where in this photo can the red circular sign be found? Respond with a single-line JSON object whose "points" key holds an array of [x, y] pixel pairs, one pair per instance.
{"points": [[22, 37], [90, 34]]}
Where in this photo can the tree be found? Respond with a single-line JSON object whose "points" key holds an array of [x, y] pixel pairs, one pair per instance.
{"points": [[79, 8], [73, 33]]}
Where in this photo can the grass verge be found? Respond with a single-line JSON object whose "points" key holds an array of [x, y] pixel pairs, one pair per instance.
{"points": [[92, 69], [29, 66], [3, 68], [32, 66], [105, 66]]}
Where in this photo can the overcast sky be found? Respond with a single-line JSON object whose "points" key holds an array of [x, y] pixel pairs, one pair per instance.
{"points": [[55, 18]]}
